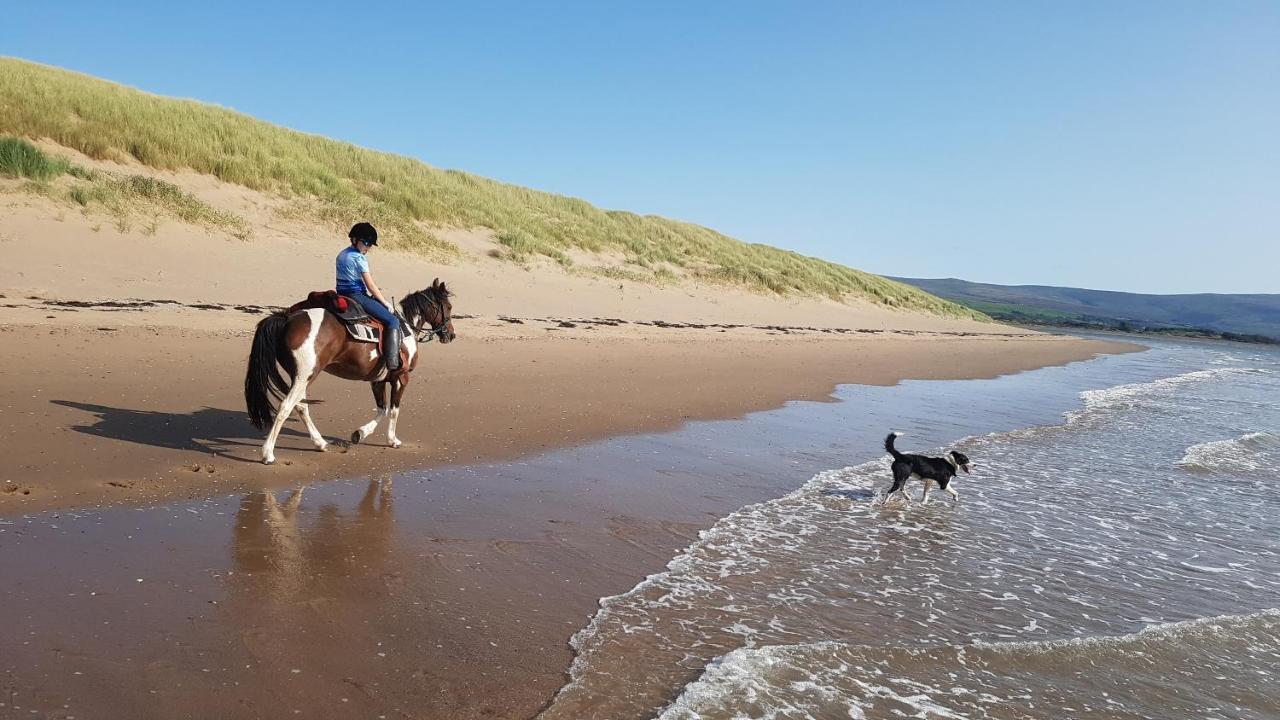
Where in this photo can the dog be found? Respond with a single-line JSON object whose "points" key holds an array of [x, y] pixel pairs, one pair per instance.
{"points": [[940, 470]]}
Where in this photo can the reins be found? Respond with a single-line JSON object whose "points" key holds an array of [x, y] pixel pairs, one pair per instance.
{"points": [[426, 336]]}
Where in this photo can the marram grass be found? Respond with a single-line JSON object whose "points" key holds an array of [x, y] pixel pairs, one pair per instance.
{"points": [[19, 158], [341, 181], [122, 196]]}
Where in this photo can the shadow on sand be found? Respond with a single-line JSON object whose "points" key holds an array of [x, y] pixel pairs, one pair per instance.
{"points": [[208, 430]]}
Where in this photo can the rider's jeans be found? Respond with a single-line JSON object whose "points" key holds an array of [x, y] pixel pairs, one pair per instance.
{"points": [[375, 308]]}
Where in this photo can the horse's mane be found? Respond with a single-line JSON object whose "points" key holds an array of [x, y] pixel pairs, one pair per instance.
{"points": [[416, 304]]}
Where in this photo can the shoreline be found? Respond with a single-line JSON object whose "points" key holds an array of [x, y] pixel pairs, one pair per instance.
{"points": [[122, 361], [138, 414], [451, 595]]}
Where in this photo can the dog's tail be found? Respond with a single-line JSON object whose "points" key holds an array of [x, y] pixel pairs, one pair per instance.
{"points": [[888, 446]]}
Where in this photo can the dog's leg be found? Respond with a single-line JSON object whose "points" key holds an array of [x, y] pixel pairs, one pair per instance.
{"points": [[924, 498], [900, 475], [888, 497], [955, 496]]}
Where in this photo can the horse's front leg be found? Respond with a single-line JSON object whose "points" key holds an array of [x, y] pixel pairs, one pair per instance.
{"points": [[397, 392], [380, 397]]}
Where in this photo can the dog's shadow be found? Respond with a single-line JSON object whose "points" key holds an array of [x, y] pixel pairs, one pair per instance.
{"points": [[859, 494], [208, 430]]}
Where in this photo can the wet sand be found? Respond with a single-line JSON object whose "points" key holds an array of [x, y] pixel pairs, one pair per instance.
{"points": [[448, 593], [114, 412]]}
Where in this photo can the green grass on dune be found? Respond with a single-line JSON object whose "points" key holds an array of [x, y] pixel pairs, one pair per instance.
{"points": [[21, 159], [121, 196], [338, 182]]}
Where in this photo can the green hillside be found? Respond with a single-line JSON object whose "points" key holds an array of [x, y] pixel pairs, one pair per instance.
{"points": [[337, 181]]}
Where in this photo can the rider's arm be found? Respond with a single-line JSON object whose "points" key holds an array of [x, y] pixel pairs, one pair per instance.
{"points": [[373, 289]]}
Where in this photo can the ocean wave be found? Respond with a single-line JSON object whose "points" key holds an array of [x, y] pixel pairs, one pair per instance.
{"points": [[1248, 453], [694, 576], [1077, 677], [1147, 395], [752, 578]]}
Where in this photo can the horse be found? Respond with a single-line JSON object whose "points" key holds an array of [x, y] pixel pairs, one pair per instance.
{"points": [[310, 341]]}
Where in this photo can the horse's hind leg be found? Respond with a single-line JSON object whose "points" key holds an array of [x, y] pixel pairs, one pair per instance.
{"points": [[379, 397], [304, 360], [296, 393], [316, 437]]}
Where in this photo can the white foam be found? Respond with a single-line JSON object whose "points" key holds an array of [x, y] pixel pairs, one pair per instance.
{"points": [[814, 678], [1122, 397], [1245, 454], [777, 534]]}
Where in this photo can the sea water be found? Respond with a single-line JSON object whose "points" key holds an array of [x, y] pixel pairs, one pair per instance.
{"points": [[1115, 555]]}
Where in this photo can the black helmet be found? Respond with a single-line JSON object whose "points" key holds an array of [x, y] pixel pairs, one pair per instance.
{"points": [[364, 232]]}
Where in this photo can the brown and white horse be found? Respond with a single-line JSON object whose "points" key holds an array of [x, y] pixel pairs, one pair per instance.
{"points": [[312, 341]]}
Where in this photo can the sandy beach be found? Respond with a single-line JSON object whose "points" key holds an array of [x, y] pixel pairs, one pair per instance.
{"points": [[145, 421], [124, 354], [123, 360]]}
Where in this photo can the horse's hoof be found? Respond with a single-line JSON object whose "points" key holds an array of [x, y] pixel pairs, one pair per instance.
{"points": [[268, 460], [322, 447], [356, 437], [395, 443]]}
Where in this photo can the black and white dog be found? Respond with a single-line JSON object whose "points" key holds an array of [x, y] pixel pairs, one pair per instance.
{"points": [[940, 470]]}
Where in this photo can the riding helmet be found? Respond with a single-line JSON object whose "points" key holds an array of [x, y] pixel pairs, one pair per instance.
{"points": [[364, 232]]}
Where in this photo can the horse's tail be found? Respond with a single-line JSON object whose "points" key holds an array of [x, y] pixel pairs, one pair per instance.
{"points": [[263, 383], [889, 448]]}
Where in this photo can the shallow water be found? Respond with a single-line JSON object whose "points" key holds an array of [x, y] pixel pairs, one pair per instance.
{"points": [[1120, 561], [1128, 500]]}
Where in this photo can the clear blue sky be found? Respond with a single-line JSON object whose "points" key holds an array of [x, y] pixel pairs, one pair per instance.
{"points": [[1113, 145]]}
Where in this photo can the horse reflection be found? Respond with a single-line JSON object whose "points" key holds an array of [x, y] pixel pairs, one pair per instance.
{"points": [[285, 556]]}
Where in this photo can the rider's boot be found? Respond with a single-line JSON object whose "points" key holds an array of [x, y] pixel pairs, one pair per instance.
{"points": [[391, 347]]}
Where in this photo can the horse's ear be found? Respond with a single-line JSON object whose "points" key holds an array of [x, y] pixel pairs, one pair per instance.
{"points": [[435, 283]]}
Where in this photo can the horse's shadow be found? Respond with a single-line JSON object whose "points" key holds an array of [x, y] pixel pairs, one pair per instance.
{"points": [[208, 430]]}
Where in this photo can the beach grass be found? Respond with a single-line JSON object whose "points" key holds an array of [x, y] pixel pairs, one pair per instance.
{"points": [[21, 159], [122, 196], [339, 182]]}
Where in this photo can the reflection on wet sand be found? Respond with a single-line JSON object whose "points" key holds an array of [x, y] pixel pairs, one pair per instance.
{"points": [[313, 593], [452, 597], [279, 562]]}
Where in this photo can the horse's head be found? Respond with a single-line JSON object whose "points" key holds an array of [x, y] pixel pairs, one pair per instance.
{"points": [[429, 310]]}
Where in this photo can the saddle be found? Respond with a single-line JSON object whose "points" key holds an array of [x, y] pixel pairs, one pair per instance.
{"points": [[360, 325]]}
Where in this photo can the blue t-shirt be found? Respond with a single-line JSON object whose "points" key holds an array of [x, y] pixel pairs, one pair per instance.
{"points": [[351, 268]]}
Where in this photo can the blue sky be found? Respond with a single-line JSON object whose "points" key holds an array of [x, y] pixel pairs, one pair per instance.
{"points": [[1121, 146]]}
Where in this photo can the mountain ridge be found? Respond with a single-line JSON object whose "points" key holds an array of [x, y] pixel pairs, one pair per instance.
{"points": [[1245, 314]]}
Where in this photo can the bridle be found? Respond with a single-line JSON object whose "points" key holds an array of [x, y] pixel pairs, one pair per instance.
{"points": [[422, 335]]}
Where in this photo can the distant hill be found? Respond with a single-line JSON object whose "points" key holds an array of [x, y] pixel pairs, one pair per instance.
{"points": [[1232, 316]]}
